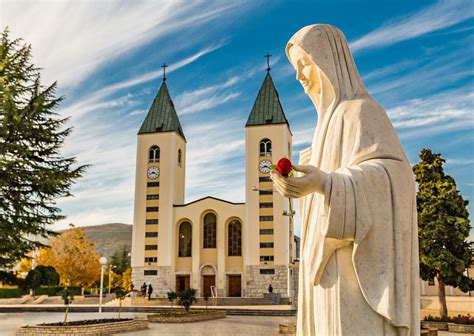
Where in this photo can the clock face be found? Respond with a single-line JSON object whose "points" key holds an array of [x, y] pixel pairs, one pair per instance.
{"points": [[265, 166], [153, 172]]}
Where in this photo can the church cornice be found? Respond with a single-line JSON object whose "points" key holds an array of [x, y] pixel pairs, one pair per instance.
{"points": [[204, 198]]}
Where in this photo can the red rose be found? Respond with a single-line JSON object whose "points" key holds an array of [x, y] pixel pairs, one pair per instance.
{"points": [[284, 166]]}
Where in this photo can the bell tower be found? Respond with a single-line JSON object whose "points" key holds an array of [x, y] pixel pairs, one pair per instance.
{"points": [[159, 183], [268, 229]]}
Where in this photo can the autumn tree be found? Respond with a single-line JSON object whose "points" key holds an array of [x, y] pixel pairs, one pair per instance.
{"points": [[33, 173], [74, 257], [443, 226]]}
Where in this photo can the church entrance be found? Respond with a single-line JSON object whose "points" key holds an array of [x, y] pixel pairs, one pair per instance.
{"points": [[182, 282], [207, 282], [208, 279], [235, 285]]}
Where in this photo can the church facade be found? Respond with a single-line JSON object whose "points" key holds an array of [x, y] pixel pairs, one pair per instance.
{"points": [[211, 244]]}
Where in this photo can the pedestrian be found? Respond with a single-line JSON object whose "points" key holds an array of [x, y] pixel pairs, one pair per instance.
{"points": [[270, 289], [143, 289], [150, 290]]}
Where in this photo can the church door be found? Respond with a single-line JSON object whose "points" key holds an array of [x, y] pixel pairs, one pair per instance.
{"points": [[207, 282], [235, 285], [182, 282]]}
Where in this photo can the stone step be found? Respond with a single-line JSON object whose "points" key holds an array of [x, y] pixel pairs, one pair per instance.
{"points": [[220, 301]]}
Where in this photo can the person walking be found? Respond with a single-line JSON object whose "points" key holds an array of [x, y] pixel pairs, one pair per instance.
{"points": [[150, 291], [143, 289]]}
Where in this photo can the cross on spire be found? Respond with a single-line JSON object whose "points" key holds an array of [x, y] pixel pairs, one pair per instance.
{"points": [[268, 61], [164, 66]]}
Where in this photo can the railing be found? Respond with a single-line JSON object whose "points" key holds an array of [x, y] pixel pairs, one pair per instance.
{"points": [[214, 295]]}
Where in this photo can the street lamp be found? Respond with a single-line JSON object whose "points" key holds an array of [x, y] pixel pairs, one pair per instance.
{"points": [[103, 262]]}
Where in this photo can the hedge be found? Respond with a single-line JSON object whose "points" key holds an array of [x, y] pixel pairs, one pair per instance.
{"points": [[56, 290], [15, 292], [11, 292]]}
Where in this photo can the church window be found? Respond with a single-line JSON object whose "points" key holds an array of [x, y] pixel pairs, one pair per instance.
{"points": [[180, 154], [209, 231], [266, 245], [185, 239], [152, 197], [266, 218], [151, 221], [235, 239], [151, 247], [154, 154], [266, 231], [151, 259], [265, 147], [150, 272], [267, 271], [266, 205], [431, 282], [266, 258], [265, 192], [151, 209], [151, 234], [153, 184], [265, 179]]}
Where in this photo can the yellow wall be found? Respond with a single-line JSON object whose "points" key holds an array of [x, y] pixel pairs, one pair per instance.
{"points": [[280, 136], [171, 190], [217, 258]]}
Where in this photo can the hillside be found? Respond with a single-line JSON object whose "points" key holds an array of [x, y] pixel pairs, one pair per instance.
{"points": [[109, 238]]}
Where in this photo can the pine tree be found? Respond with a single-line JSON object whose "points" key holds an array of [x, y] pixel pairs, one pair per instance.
{"points": [[443, 226], [33, 174], [120, 260]]}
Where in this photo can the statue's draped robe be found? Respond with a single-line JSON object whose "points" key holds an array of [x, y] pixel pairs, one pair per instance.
{"points": [[359, 247]]}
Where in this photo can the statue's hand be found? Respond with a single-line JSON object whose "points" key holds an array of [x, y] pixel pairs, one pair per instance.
{"points": [[312, 181]]}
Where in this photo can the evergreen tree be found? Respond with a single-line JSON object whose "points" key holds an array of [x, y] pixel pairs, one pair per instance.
{"points": [[120, 261], [33, 174], [443, 226]]}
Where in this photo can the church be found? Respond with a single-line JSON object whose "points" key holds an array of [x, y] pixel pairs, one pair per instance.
{"points": [[210, 244]]}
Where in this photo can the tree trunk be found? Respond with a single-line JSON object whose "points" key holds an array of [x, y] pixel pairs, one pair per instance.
{"points": [[120, 306], [443, 308], [65, 315]]}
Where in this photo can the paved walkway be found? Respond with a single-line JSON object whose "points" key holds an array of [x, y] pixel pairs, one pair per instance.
{"points": [[230, 326]]}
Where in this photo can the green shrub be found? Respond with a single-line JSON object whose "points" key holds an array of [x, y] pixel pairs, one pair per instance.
{"points": [[56, 290], [11, 292]]}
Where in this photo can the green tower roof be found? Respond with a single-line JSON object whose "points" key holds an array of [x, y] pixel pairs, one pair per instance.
{"points": [[162, 116], [267, 108]]}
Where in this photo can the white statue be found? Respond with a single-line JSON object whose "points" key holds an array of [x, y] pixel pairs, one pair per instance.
{"points": [[359, 244]]}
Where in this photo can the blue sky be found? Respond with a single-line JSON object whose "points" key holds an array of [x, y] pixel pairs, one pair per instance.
{"points": [[414, 57]]}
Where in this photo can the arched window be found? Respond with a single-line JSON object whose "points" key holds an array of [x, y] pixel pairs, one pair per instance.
{"points": [[185, 239], [265, 147], [235, 238], [180, 154], [154, 154], [209, 235]]}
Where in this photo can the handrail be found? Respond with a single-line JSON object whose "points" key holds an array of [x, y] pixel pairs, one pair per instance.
{"points": [[214, 294]]}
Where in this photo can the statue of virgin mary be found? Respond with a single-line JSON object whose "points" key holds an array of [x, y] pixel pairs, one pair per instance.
{"points": [[359, 245]]}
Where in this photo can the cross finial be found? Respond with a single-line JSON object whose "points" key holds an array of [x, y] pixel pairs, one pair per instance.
{"points": [[164, 66], [268, 61]]}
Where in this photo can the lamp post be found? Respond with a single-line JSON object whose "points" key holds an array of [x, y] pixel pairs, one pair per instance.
{"points": [[103, 262]]}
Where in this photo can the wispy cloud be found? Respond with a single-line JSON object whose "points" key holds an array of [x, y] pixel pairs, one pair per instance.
{"points": [[205, 98], [72, 39], [215, 157], [439, 113], [441, 15]]}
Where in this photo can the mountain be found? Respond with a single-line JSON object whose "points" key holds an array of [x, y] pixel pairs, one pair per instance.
{"points": [[109, 238]]}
